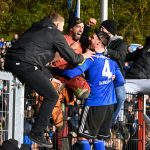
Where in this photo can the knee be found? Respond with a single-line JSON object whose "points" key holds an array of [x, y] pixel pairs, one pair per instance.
{"points": [[120, 99], [52, 96], [55, 96]]}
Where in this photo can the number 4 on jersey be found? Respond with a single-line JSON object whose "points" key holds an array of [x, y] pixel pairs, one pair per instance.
{"points": [[106, 70]]}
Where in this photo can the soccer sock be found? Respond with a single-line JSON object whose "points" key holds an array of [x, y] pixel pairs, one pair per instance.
{"points": [[99, 145], [26, 140], [84, 145]]}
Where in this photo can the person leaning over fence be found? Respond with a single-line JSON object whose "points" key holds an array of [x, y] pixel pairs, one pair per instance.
{"points": [[96, 118], [116, 50], [27, 60]]}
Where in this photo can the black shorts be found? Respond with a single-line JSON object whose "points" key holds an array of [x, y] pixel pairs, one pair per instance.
{"points": [[96, 121]]}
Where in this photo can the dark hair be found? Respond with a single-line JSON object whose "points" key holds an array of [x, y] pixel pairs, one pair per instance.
{"points": [[73, 22], [110, 26], [104, 37]]}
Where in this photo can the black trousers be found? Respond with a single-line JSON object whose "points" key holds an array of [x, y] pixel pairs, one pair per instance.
{"points": [[38, 80]]}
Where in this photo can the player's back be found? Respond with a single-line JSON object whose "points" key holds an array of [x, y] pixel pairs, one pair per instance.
{"points": [[100, 79]]}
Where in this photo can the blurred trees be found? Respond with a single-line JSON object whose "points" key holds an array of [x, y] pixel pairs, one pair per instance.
{"points": [[132, 16]]}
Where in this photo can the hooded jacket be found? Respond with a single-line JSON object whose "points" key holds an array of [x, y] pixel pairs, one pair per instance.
{"points": [[38, 45]]}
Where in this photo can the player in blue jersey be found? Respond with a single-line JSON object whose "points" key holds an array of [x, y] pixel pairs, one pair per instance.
{"points": [[96, 118]]}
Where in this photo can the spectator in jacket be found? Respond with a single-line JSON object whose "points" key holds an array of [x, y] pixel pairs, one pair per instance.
{"points": [[15, 38], [27, 60], [2, 42], [117, 50], [140, 68]]}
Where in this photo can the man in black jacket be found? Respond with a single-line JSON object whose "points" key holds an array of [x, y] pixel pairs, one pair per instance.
{"points": [[117, 50], [140, 68], [27, 60]]}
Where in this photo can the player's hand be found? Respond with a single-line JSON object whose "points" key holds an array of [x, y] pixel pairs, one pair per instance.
{"points": [[113, 77], [57, 83], [88, 54]]}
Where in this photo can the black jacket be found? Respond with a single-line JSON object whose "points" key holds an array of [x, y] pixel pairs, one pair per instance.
{"points": [[37, 46], [117, 50], [140, 69]]}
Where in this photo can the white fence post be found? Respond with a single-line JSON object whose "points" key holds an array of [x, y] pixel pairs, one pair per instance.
{"points": [[19, 112], [15, 112]]}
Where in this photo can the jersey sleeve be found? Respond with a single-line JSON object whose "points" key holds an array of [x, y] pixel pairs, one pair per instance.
{"points": [[119, 79], [78, 70]]}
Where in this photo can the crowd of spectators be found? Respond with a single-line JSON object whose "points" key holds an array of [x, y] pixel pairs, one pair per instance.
{"points": [[3, 48], [4, 95]]}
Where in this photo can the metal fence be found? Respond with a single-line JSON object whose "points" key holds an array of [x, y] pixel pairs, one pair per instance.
{"points": [[18, 111], [11, 108]]}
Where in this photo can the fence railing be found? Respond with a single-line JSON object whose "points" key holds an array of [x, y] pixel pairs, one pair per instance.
{"points": [[11, 107], [15, 108]]}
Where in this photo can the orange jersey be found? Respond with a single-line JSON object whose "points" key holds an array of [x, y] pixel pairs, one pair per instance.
{"points": [[58, 61], [75, 45]]}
